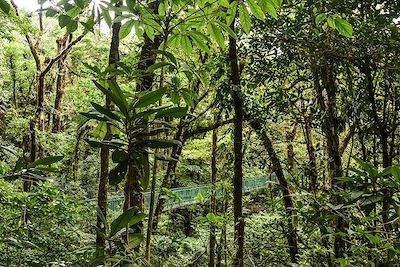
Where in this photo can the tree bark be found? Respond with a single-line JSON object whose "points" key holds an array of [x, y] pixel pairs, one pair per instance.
{"points": [[237, 147], [104, 152], [62, 43], [312, 169], [213, 204]]}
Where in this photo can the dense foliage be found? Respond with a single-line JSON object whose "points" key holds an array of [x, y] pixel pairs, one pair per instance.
{"points": [[131, 132]]}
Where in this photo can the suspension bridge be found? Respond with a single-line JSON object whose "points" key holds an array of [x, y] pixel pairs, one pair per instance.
{"points": [[183, 196]]}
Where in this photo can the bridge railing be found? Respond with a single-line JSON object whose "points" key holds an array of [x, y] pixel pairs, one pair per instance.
{"points": [[187, 194]]}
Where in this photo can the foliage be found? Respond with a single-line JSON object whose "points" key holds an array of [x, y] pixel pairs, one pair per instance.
{"points": [[40, 227]]}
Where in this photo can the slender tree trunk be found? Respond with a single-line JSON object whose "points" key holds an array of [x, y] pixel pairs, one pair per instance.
{"points": [[290, 136], [133, 190], [213, 204], [151, 210], [14, 80], [104, 152], [312, 169], [237, 139], [60, 84], [287, 198], [331, 130]]}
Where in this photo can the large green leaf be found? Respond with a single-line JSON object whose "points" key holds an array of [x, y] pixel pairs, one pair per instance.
{"points": [[4, 6], [199, 42], [227, 29], [104, 144], [117, 174], [107, 92], [64, 20], [256, 10], [343, 27], [46, 161], [175, 112], [244, 18], [154, 143], [120, 100], [186, 44], [105, 112], [119, 155], [93, 116], [150, 98], [126, 29], [216, 33], [319, 18], [128, 218]]}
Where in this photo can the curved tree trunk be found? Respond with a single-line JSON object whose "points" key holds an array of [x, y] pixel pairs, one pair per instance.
{"points": [[287, 198]]}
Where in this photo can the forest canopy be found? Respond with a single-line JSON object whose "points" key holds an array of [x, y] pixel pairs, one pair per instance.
{"points": [[200, 133]]}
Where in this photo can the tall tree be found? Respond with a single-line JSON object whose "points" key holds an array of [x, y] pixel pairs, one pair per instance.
{"points": [[113, 59], [237, 144]]}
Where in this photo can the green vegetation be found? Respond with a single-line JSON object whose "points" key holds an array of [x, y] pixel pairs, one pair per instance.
{"points": [[200, 133]]}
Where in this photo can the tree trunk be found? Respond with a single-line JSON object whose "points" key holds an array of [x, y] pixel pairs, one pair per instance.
{"points": [[151, 210], [104, 152], [60, 84], [213, 204], [290, 135], [312, 169], [291, 235], [237, 146], [331, 130]]}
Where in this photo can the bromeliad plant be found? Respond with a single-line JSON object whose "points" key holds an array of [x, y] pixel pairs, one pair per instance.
{"points": [[135, 124]]}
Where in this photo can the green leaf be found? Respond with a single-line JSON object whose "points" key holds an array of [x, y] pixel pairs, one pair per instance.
{"points": [[4, 6], [128, 218], [119, 156], [117, 174], [186, 44], [199, 42], [135, 239], [244, 18], [375, 240], [213, 218], [119, 97], [104, 144], [80, 3], [72, 26], [227, 29], [93, 116], [50, 12], [343, 27], [215, 32], [175, 112], [319, 18], [106, 112], [149, 32], [154, 143], [157, 65], [126, 29], [256, 10], [150, 98], [106, 16], [269, 6], [64, 20], [45, 161], [331, 22], [395, 170], [169, 55], [9, 150]]}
